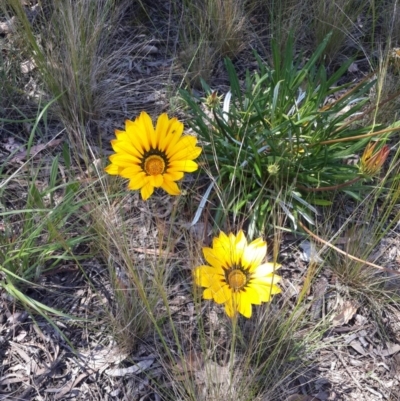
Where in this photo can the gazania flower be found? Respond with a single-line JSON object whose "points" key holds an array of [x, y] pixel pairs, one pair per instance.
{"points": [[153, 158], [236, 276]]}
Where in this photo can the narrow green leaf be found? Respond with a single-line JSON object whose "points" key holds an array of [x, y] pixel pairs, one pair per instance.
{"points": [[53, 173]]}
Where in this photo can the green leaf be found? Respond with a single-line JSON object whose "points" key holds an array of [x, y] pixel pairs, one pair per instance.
{"points": [[53, 173], [234, 80], [321, 202]]}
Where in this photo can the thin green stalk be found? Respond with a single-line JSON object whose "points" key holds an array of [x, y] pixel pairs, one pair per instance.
{"points": [[331, 188]]}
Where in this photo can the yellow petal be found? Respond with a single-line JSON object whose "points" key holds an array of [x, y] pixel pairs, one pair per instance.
{"points": [[144, 121], [220, 292], [156, 180], [185, 154], [275, 289], [137, 181], [231, 249], [267, 291], [230, 309], [171, 138], [213, 259], [185, 143], [131, 171], [222, 237], [207, 294], [244, 307], [187, 166], [266, 297], [222, 241], [138, 135], [206, 275], [264, 292], [170, 187], [162, 127], [127, 147], [112, 169], [122, 135], [142, 139], [265, 269], [238, 244], [251, 295], [146, 191], [175, 176], [124, 159], [267, 280], [254, 254], [224, 248]]}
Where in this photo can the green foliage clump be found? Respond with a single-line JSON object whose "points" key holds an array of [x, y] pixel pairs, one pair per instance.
{"points": [[282, 137]]}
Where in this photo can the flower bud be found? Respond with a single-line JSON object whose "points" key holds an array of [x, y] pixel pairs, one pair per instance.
{"points": [[371, 162]]}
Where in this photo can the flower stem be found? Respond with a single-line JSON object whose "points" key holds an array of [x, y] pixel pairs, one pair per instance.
{"points": [[353, 138], [234, 321], [331, 188]]}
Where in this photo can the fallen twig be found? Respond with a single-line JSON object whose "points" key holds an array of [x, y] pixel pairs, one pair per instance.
{"points": [[319, 239]]}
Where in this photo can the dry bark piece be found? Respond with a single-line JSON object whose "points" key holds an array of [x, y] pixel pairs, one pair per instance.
{"points": [[345, 314], [137, 368], [191, 362], [7, 27], [357, 347], [391, 349], [21, 156], [319, 290], [28, 66]]}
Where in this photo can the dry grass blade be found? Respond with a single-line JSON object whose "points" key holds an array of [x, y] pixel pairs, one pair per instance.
{"points": [[327, 243]]}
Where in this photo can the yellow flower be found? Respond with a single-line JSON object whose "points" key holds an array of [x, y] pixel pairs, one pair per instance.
{"points": [[153, 158], [237, 277], [371, 162]]}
